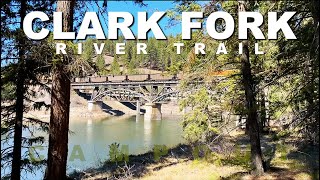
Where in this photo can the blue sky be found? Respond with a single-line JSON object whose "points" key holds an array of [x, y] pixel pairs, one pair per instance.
{"points": [[152, 6]]}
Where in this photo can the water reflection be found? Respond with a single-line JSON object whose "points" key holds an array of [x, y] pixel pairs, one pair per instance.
{"points": [[94, 136], [89, 130], [147, 133], [89, 122]]}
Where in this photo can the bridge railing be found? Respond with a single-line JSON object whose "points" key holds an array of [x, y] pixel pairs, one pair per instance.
{"points": [[127, 78]]}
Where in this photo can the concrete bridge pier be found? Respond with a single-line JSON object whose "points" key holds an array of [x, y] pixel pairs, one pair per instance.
{"points": [[94, 105], [153, 111], [138, 108]]}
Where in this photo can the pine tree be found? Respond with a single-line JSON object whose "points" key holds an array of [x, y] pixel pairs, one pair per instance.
{"points": [[251, 107], [21, 67], [20, 90], [60, 106], [101, 65], [115, 67], [87, 53]]}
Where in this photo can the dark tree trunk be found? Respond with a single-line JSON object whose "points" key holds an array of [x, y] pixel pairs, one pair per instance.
{"points": [[16, 160], [60, 105], [312, 73], [263, 110], [247, 124], [252, 121]]}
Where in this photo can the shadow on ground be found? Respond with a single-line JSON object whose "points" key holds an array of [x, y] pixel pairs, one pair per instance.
{"points": [[299, 162], [104, 106], [302, 162], [137, 164], [132, 106]]}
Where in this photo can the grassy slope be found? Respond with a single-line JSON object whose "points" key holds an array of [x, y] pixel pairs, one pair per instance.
{"points": [[287, 157], [289, 160]]}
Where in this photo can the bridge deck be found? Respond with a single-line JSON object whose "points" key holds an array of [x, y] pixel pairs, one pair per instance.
{"points": [[171, 82]]}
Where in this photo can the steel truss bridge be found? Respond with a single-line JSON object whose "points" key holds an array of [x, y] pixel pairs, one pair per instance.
{"points": [[151, 91]]}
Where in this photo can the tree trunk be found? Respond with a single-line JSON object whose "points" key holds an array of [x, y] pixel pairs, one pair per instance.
{"points": [[263, 110], [252, 122], [312, 72], [60, 105], [16, 159]]}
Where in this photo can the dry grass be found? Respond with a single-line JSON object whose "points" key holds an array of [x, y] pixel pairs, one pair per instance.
{"points": [[192, 170], [290, 160], [283, 175]]}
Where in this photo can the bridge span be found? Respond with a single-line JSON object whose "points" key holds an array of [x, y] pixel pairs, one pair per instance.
{"points": [[150, 90]]}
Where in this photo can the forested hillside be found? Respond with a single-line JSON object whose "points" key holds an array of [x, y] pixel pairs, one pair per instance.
{"points": [[161, 55]]}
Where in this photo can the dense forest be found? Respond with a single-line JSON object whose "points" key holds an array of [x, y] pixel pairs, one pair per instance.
{"points": [[161, 55], [277, 89]]}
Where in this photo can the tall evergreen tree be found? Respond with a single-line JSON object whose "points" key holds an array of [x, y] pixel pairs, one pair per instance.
{"points": [[88, 50], [115, 67], [20, 90], [21, 68], [60, 105], [251, 105], [101, 65]]}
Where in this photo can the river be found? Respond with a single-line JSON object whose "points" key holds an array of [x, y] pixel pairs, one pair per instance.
{"points": [[93, 137]]}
